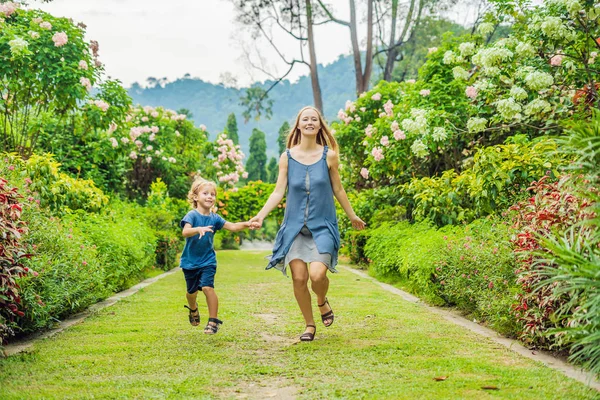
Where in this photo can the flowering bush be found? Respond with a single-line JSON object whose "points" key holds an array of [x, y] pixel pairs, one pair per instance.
{"points": [[228, 161], [470, 93], [42, 71]]}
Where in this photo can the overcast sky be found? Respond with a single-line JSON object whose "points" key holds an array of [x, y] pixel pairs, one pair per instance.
{"points": [[142, 38]]}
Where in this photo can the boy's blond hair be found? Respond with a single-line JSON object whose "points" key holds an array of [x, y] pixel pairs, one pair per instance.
{"points": [[196, 186]]}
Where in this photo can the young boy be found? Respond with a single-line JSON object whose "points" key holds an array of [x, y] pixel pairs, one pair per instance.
{"points": [[198, 260]]}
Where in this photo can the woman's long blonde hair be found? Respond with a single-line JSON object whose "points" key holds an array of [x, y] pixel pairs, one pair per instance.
{"points": [[324, 136]]}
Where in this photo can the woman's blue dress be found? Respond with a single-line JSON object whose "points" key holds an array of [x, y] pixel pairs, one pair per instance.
{"points": [[309, 202]]}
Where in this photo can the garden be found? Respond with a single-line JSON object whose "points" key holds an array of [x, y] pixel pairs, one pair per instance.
{"points": [[478, 180]]}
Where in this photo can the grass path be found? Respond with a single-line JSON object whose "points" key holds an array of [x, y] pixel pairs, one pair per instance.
{"points": [[379, 347]]}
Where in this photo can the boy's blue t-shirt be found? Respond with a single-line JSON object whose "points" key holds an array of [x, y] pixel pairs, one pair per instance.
{"points": [[199, 251]]}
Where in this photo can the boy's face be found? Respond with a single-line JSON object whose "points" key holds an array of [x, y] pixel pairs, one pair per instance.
{"points": [[205, 196]]}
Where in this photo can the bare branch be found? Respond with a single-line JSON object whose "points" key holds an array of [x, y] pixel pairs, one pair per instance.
{"points": [[330, 15]]}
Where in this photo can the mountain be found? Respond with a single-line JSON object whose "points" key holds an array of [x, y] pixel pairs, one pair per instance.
{"points": [[211, 104]]}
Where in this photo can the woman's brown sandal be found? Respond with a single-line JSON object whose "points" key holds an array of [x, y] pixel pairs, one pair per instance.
{"points": [[328, 315], [193, 318], [211, 329], [307, 336]]}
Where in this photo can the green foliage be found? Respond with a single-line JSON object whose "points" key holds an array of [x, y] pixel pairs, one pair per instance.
{"points": [[231, 129], [56, 190], [257, 160], [284, 131], [272, 170], [498, 176], [470, 267]]}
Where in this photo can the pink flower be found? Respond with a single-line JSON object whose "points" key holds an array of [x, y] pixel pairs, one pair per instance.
{"points": [[389, 107], [432, 50], [244, 175], [8, 8], [154, 129], [101, 104], [60, 39], [11, 167], [114, 142], [410, 81], [148, 159], [28, 181], [369, 130], [394, 127], [364, 173], [86, 83], [83, 65], [46, 25], [84, 262], [385, 141], [471, 92], [154, 114], [376, 96], [556, 60], [425, 92], [202, 127], [377, 153], [151, 137], [133, 155], [491, 285], [399, 135]]}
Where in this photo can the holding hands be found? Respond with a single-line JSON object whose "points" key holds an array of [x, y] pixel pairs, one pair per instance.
{"points": [[256, 222]]}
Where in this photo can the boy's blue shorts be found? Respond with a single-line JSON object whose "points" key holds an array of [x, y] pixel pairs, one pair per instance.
{"points": [[198, 278]]}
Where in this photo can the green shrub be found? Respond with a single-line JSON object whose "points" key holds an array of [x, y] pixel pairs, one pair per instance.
{"points": [[71, 275]]}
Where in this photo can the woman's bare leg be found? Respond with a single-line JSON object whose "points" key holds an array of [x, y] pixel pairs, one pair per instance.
{"points": [[319, 283], [300, 280]]}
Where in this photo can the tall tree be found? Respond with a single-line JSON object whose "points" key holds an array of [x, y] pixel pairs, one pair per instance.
{"points": [[363, 77], [256, 166], [273, 170], [231, 129], [296, 18], [282, 137]]}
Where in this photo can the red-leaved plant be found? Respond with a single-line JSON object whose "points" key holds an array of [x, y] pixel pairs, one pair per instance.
{"points": [[12, 252], [553, 208]]}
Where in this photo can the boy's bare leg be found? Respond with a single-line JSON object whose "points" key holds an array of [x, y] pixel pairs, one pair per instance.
{"points": [[300, 280], [191, 299], [212, 301]]}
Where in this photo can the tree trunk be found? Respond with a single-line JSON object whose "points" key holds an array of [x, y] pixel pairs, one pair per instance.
{"points": [[393, 52], [355, 49], [314, 75], [366, 78]]}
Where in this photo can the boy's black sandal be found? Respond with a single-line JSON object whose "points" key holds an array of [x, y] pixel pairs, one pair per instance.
{"points": [[213, 328], [328, 315], [193, 318], [307, 336]]}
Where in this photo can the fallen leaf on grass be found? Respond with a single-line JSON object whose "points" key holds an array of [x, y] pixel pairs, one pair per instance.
{"points": [[490, 388], [440, 378]]}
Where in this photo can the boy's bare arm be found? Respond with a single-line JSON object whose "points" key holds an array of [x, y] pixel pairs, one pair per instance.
{"points": [[236, 226], [188, 231]]}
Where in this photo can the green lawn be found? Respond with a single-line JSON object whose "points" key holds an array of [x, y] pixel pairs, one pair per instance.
{"points": [[379, 347]]}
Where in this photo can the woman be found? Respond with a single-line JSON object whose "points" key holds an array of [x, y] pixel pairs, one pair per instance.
{"points": [[309, 233]]}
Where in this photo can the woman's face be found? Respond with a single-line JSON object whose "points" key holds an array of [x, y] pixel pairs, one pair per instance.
{"points": [[309, 123]]}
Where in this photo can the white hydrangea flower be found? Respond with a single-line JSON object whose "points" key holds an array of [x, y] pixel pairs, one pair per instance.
{"points": [[492, 56], [439, 134], [467, 49], [476, 124], [451, 58], [485, 28], [490, 71], [460, 73], [537, 106], [18, 46], [538, 80], [518, 93], [525, 49], [553, 27], [419, 149], [508, 108]]}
